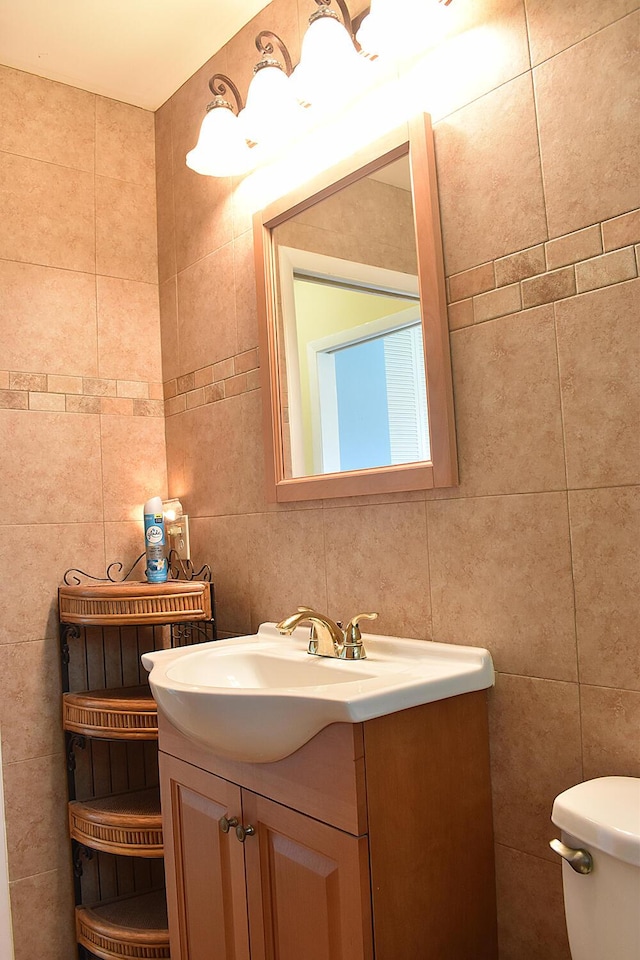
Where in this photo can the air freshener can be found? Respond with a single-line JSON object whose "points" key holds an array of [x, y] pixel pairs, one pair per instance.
{"points": [[157, 569]]}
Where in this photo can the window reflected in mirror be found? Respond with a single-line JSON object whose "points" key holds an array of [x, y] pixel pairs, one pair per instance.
{"points": [[353, 384]]}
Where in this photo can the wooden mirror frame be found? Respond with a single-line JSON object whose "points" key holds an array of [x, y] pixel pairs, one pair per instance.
{"points": [[414, 139]]}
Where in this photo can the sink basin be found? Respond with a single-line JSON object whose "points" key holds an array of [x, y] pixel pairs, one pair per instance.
{"points": [[261, 697]]}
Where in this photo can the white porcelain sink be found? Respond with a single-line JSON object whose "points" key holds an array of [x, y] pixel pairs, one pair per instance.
{"points": [[261, 697]]}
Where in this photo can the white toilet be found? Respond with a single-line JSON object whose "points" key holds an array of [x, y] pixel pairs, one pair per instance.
{"points": [[600, 824]]}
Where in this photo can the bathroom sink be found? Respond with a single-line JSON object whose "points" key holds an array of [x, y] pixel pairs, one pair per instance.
{"points": [[259, 698]]}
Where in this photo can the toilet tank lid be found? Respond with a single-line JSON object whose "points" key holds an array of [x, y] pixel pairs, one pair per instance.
{"points": [[603, 813]]}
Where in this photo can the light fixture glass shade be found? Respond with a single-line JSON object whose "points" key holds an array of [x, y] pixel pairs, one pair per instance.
{"points": [[330, 69], [272, 113], [401, 29], [221, 150]]}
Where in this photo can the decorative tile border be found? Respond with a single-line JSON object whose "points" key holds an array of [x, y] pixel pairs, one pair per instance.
{"points": [[40, 391], [597, 256], [218, 381]]}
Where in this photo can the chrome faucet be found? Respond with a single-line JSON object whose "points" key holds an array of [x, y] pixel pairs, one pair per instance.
{"points": [[327, 639]]}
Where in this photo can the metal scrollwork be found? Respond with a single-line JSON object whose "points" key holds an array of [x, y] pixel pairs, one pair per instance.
{"points": [[75, 576], [80, 852], [75, 740], [180, 570], [68, 631]]}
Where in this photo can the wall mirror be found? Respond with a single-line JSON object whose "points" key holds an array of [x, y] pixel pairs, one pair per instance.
{"points": [[354, 348]]}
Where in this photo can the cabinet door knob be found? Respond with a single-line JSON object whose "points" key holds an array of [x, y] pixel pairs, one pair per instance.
{"points": [[227, 823], [243, 832]]}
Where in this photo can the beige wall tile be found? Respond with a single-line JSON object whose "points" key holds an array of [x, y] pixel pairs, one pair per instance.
{"points": [[48, 214], [549, 287], [501, 579], [116, 406], [585, 118], [133, 464], [174, 432], [535, 755], [128, 329], [97, 387], [14, 400], [148, 408], [245, 292], [497, 303], [195, 398], [75, 404], [222, 543], [27, 381], [531, 919], [124, 542], [169, 328], [224, 369], [214, 465], [610, 268], [164, 194], [42, 916], [377, 561], [204, 215], [610, 723], [4, 379], [555, 26], [47, 401], [460, 314], [575, 246], [506, 388], [125, 142], [43, 472], [186, 382], [126, 242], [621, 230], [489, 172], [598, 354], [605, 538], [35, 816], [135, 389], [64, 384], [206, 311], [44, 120], [520, 265], [44, 551], [471, 282], [213, 392], [204, 376], [30, 715], [298, 579]]}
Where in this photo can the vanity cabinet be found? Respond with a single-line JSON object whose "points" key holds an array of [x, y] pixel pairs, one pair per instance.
{"points": [[372, 842]]}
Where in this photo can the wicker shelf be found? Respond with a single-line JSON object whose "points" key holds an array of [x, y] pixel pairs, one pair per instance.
{"points": [[132, 927], [175, 601], [129, 824], [125, 713]]}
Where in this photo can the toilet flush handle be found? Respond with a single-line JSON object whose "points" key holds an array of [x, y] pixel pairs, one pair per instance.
{"points": [[579, 860]]}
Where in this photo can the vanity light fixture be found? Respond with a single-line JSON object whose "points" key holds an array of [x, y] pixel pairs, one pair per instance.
{"points": [[334, 64], [222, 149], [272, 109], [383, 32]]}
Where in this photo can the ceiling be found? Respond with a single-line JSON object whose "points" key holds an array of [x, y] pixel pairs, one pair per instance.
{"points": [[137, 51]]}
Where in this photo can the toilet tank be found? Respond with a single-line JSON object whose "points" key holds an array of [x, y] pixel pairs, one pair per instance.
{"points": [[602, 908]]}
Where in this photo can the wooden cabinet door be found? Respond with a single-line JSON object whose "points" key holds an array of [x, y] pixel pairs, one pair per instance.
{"points": [[205, 879], [307, 886]]}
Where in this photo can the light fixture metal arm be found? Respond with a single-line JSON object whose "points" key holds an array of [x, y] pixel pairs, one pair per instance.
{"points": [[265, 45], [218, 85], [344, 10]]}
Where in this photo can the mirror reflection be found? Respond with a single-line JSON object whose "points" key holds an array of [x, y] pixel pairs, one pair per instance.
{"points": [[350, 336]]}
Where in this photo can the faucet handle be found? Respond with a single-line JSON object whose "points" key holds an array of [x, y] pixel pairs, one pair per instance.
{"points": [[353, 647], [352, 631]]}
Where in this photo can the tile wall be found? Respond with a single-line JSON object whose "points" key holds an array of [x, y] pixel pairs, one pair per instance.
{"points": [[535, 554], [81, 431]]}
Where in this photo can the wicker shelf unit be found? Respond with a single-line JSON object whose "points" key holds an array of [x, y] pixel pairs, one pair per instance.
{"points": [[111, 730]]}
